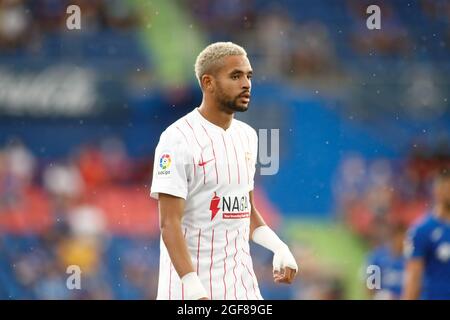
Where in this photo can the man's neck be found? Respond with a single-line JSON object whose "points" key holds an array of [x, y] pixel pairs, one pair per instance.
{"points": [[213, 114], [442, 213]]}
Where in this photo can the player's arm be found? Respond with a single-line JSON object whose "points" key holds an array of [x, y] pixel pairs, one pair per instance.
{"points": [[256, 220], [413, 279], [284, 265], [171, 210], [415, 249]]}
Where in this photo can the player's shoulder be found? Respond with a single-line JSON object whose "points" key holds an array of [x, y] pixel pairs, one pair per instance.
{"points": [[176, 131], [246, 127], [424, 224]]}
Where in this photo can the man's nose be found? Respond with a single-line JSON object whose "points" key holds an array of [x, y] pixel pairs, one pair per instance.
{"points": [[246, 83]]}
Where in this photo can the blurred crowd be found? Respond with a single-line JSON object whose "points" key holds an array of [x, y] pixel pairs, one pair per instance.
{"points": [[282, 47], [297, 40], [286, 40], [372, 194], [73, 211], [23, 22], [380, 199]]}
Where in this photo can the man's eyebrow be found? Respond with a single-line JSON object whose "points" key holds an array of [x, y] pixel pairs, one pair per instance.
{"points": [[240, 71]]}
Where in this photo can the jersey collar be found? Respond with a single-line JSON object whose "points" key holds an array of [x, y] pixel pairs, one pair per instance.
{"points": [[209, 124]]}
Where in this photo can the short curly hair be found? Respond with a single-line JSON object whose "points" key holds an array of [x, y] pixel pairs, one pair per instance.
{"points": [[208, 59]]}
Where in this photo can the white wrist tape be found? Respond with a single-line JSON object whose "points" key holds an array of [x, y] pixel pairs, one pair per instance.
{"points": [[193, 288], [267, 238], [283, 257]]}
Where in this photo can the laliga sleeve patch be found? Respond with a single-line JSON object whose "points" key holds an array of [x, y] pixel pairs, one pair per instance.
{"points": [[165, 165]]}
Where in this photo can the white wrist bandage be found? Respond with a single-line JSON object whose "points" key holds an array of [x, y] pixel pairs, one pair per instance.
{"points": [[193, 288], [283, 257]]}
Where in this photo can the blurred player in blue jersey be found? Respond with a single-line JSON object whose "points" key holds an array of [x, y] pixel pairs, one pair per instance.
{"points": [[389, 258], [428, 248]]}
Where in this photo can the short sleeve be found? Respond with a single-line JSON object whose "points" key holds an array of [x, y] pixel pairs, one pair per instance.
{"points": [[416, 243], [170, 168]]}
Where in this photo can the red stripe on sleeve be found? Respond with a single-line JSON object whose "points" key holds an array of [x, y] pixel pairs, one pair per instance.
{"points": [[237, 161], [193, 161], [182, 134], [201, 155], [245, 156], [214, 154], [228, 162]]}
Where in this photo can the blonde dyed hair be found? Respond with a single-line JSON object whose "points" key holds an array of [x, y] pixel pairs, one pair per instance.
{"points": [[212, 55]]}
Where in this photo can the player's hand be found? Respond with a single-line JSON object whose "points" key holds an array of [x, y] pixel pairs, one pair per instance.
{"points": [[193, 288], [284, 265], [286, 275]]}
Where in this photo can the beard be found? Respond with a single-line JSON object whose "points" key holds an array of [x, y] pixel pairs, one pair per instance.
{"points": [[446, 205], [229, 104]]}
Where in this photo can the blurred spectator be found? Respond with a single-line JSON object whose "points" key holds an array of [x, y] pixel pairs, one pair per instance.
{"points": [[436, 9], [15, 24], [21, 163], [116, 160], [223, 19], [63, 181], [92, 167], [17, 166], [92, 17], [313, 51], [422, 96], [50, 15], [120, 15], [273, 33], [350, 181], [389, 258], [391, 40]]}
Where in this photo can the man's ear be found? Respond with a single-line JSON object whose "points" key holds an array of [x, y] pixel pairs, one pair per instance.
{"points": [[207, 82]]}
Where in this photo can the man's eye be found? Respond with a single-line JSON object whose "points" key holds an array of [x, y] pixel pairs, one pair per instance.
{"points": [[249, 76], [235, 77]]}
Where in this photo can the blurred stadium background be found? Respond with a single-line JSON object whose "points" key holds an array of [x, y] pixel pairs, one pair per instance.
{"points": [[364, 122]]}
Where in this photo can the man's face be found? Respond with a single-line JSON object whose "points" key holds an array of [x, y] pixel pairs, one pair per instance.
{"points": [[232, 84], [442, 193]]}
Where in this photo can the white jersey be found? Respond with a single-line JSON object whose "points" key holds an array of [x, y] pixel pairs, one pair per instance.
{"points": [[213, 170]]}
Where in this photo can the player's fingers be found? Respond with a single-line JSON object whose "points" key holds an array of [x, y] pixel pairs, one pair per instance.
{"points": [[279, 276], [286, 277], [277, 273], [290, 274]]}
